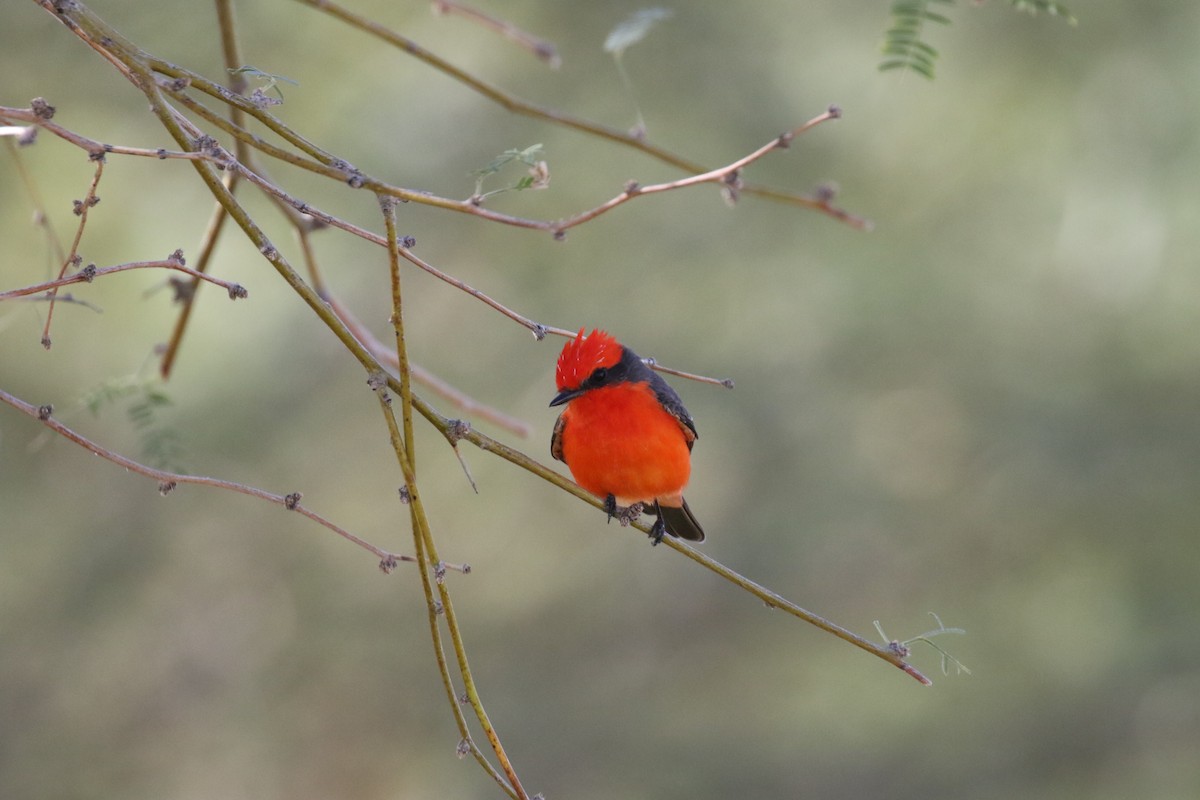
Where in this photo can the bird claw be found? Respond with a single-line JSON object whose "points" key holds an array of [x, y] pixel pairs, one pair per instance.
{"points": [[622, 514], [610, 507], [657, 531]]}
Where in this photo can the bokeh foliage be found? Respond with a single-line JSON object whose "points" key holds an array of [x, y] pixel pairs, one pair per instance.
{"points": [[986, 407]]}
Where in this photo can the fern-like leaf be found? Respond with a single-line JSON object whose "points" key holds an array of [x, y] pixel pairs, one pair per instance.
{"points": [[903, 46]]}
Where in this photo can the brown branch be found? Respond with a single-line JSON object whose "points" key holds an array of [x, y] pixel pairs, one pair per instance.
{"points": [[232, 59], [460, 399], [403, 446], [82, 207], [518, 106], [167, 481], [729, 175], [544, 50], [95, 150], [887, 652], [208, 245], [91, 272]]}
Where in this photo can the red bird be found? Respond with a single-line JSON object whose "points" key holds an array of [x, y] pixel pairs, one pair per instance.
{"points": [[624, 434]]}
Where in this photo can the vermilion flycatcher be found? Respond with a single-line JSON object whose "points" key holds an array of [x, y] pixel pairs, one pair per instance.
{"points": [[624, 434]]}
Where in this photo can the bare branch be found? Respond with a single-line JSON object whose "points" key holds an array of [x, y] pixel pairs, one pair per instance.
{"points": [[168, 480], [91, 272], [544, 50]]}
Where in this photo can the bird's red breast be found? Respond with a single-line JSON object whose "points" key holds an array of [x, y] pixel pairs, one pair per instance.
{"points": [[619, 440]]}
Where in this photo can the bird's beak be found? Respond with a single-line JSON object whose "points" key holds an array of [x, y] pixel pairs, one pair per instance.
{"points": [[564, 396]]}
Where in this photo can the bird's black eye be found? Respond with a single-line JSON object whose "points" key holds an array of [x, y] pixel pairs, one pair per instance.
{"points": [[599, 374]]}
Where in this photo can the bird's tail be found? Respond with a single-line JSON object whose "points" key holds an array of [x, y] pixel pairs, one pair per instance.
{"points": [[681, 522]]}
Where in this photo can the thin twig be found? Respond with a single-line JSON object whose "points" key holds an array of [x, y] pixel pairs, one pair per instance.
{"points": [[95, 150], [439, 605], [458, 398], [539, 330], [388, 206], [82, 207], [232, 58], [544, 50], [774, 600], [518, 106], [91, 272], [727, 174], [208, 245], [168, 480], [769, 597], [41, 217]]}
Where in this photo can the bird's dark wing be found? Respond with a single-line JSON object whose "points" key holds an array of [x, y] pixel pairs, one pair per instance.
{"points": [[674, 406], [556, 447]]}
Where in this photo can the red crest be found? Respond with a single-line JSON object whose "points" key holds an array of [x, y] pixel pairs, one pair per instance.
{"points": [[583, 354]]}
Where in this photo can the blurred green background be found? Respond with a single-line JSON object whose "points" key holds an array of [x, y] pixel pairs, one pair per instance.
{"points": [[987, 407]]}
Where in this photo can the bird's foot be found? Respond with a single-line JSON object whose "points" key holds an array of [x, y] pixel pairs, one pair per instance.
{"points": [[622, 514], [657, 531], [610, 506]]}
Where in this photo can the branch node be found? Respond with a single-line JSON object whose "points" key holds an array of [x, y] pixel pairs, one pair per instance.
{"points": [[785, 140], [166, 487], [377, 381], [438, 608], [237, 292], [835, 112], [269, 251], [632, 188], [45, 411], [408, 242], [292, 501], [464, 748], [40, 108], [388, 564], [88, 273], [457, 429], [405, 495], [439, 572], [177, 257], [560, 235], [206, 144], [539, 331]]}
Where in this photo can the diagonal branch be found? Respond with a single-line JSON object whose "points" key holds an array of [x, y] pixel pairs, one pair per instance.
{"points": [[518, 106], [167, 481]]}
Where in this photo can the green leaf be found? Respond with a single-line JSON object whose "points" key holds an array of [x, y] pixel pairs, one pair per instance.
{"points": [[530, 156], [903, 43], [269, 80]]}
